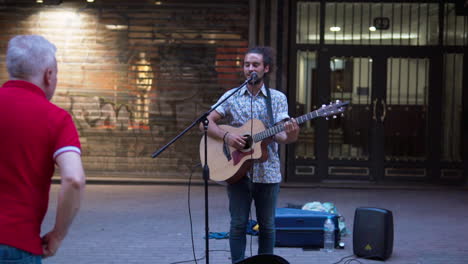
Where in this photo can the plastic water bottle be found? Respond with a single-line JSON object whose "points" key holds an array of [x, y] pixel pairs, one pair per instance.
{"points": [[328, 235]]}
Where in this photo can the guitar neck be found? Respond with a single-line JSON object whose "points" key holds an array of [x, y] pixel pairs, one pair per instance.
{"points": [[279, 128]]}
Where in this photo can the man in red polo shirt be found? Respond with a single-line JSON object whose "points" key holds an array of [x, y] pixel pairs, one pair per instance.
{"points": [[35, 135]]}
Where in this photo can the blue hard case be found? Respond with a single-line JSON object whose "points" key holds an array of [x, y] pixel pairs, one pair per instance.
{"points": [[302, 228]]}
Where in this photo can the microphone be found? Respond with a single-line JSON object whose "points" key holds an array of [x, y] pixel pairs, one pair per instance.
{"points": [[253, 77]]}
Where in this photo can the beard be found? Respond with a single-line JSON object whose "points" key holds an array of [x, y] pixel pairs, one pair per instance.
{"points": [[257, 81]]}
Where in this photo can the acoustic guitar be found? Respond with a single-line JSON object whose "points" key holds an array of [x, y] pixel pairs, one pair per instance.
{"points": [[227, 167]]}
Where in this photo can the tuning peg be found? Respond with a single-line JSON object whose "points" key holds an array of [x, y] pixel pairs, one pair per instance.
{"points": [[326, 118], [342, 114], [334, 116]]}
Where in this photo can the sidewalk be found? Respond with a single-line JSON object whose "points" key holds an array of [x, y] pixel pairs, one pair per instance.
{"points": [[150, 224]]}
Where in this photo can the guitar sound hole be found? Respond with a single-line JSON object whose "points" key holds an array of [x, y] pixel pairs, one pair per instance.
{"points": [[248, 142]]}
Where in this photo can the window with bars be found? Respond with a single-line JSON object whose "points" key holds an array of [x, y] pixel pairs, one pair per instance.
{"points": [[371, 23]]}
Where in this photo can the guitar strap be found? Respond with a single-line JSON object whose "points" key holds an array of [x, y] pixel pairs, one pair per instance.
{"points": [[269, 107], [270, 110]]}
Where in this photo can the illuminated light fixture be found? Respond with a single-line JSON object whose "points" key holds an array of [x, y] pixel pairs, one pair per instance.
{"points": [[334, 29], [117, 27], [39, 1], [158, 3], [372, 28], [331, 36], [90, 1]]}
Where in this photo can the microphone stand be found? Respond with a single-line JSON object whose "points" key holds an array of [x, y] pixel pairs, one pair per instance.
{"points": [[206, 171]]}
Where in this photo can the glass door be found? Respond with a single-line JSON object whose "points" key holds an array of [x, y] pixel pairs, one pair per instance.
{"points": [[336, 147], [402, 69], [349, 152], [384, 132], [404, 117]]}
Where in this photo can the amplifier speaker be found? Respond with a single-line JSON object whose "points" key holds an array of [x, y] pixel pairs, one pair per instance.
{"points": [[373, 233], [264, 259]]}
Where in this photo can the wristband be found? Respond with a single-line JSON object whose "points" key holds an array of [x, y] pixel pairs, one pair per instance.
{"points": [[224, 137]]}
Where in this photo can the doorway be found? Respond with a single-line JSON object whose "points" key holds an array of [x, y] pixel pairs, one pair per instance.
{"points": [[401, 67]]}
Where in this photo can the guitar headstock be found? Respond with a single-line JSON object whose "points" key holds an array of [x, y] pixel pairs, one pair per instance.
{"points": [[332, 109]]}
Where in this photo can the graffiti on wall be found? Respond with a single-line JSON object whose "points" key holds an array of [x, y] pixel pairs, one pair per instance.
{"points": [[94, 112]]}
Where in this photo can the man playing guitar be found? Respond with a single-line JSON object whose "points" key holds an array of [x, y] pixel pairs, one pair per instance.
{"points": [[261, 183]]}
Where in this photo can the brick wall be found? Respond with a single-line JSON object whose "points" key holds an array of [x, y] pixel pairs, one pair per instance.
{"points": [[134, 74]]}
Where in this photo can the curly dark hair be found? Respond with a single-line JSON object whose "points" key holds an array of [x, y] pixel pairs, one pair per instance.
{"points": [[266, 52]]}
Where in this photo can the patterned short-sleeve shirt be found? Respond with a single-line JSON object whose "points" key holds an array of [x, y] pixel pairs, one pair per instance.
{"points": [[242, 107]]}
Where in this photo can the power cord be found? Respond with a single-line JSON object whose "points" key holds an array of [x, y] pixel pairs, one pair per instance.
{"points": [[195, 259], [351, 258], [192, 169], [347, 261], [190, 211]]}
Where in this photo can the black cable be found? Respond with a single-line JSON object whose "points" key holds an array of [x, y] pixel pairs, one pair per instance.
{"points": [[190, 211], [190, 219], [343, 258], [352, 258]]}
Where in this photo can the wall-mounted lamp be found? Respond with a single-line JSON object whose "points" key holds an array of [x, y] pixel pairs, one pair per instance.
{"points": [[117, 27], [335, 29]]}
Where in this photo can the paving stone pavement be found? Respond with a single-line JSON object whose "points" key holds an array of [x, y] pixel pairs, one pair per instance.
{"points": [[150, 224]]}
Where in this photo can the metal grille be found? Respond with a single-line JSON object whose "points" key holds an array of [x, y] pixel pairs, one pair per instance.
{"points": [[455, 27], [413, 24], [452, 108], [308, 23], [407, 81], [133, 74], [405, 109], [360, 23], [306, 84], [351, 80]]}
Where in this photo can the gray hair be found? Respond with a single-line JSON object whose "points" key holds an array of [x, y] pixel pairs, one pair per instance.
{"points": [[29, 55]]}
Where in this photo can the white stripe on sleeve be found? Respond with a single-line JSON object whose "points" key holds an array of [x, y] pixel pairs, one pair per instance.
{"points": [[66, 149]]}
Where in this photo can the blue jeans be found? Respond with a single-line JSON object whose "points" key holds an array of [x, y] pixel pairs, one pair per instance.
{"points": [[11, 255], [240, 196]]}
